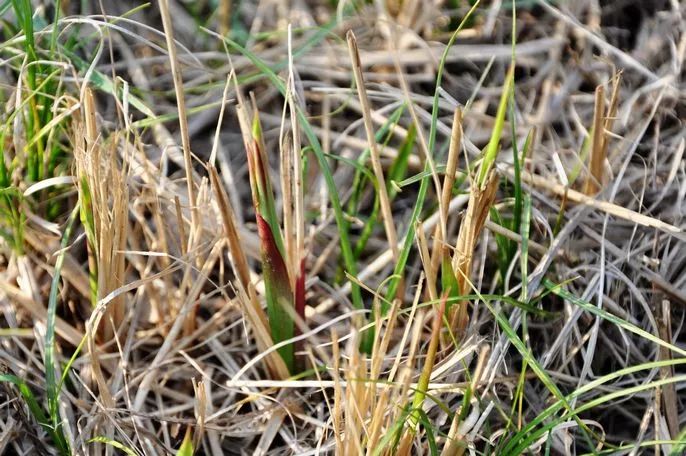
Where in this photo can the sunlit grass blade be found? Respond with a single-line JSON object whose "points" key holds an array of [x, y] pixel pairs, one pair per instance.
{"points": [[605, 315], [113, 443], [494, 143]]}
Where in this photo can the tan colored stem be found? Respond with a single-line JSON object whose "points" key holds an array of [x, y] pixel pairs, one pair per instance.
{"points": [[386, 212]]}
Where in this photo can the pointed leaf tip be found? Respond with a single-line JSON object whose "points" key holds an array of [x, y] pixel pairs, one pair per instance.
{"points": [[186, 448]]}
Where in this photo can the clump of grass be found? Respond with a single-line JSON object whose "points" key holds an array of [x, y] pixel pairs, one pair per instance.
{"points": [[103, 201], [33, 125]]}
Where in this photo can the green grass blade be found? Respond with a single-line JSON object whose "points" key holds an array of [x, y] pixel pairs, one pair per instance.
{"points": [[37, 412], [426, 173], [524, 229], [449, 282], [430, 432], [516, 163], [392, 436], [494, 143], [623, 392], [4, 171], [67, 366], [503, 243], [528, 307], [529, 433], [680, 444], [399, 167], [5, 6], [605, 315], [186, 448], [367, 229], [88, 222], [24, 12], [535, 367], [396, 172], [51, 383], [113, 443], [105, 84], [362, 173]]}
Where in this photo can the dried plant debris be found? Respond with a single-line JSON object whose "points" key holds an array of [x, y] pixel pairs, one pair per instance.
{"points": [[361, 227]]}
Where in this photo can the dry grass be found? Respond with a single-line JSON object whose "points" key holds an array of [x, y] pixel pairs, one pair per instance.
{"points": [[454, 305]]}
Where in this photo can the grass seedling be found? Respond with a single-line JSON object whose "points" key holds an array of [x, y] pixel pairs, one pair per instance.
{"points": [[30, 148], [283, 294], [362, 176], [395, 174], [341, 223], [251, 307]]}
